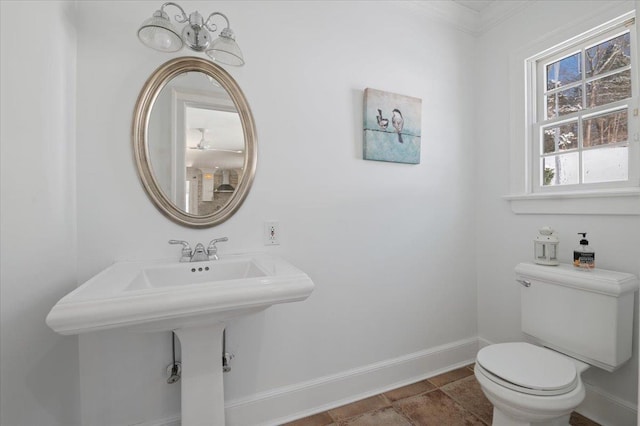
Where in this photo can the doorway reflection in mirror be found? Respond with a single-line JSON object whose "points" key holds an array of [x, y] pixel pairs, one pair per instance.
{"points": [[197, 144]]}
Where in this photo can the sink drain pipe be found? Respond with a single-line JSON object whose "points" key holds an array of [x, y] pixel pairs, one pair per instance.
{"points": [[174, 370], [226, 356]]}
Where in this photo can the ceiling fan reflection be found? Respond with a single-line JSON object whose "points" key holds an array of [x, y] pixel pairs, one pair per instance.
{"points": [[205, 145]]}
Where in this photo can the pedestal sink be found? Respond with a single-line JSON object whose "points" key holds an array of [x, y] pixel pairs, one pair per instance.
{"points": [[192, 299]]}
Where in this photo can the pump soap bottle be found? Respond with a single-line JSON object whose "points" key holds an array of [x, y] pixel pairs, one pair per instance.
{"points": [[584, 256]]}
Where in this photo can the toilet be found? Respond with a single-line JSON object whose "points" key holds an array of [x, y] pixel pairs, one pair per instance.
{"points": [[572, 319]]}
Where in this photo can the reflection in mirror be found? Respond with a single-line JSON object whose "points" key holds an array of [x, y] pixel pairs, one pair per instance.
{"points": [[194, 142]]}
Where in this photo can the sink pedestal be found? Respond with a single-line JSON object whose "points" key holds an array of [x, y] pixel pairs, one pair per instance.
{"points": [[202, 383]]}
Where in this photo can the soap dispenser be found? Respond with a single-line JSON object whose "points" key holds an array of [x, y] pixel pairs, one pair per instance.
{"points": [[584, 256]]}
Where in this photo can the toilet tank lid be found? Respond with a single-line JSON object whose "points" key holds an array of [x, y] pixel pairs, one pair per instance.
{"points": [[611, 283]]}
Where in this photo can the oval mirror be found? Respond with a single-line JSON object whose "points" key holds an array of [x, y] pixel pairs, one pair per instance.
{"points": [[194, 142]]}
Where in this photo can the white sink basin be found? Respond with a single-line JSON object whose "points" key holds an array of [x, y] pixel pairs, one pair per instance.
{"points": [[185, 274], [161, 295]]}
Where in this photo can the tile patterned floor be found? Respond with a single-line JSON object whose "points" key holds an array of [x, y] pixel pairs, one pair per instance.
{"points": [[450, 399]]}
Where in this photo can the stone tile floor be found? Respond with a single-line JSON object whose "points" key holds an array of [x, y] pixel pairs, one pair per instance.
{"points": [[450, 399]]}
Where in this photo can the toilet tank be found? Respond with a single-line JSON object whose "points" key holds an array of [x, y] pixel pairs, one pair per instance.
{"points": [[586, 314]]}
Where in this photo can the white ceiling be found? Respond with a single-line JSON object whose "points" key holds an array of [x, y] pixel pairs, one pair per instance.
{"points": [[224, 139]]}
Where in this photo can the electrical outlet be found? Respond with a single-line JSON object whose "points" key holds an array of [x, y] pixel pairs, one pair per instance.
{"points": [[271, 234]]}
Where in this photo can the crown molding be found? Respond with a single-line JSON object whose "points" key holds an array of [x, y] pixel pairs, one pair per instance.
{"points": [[460, 17], [468, 20], [499, 11]]}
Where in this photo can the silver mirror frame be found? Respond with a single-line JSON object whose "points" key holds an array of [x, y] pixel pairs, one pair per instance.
{"points": [[142, 112]]}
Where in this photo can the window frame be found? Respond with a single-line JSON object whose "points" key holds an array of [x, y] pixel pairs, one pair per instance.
{"points": [[536, 67], [609, 199]]}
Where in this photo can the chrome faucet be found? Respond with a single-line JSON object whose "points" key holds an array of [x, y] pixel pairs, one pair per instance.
{"points": [[186, 250], [212, 250], [199, 253]]}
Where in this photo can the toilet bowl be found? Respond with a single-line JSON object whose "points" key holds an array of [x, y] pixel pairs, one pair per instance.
{"points": [[576, 319], [528, 384]]}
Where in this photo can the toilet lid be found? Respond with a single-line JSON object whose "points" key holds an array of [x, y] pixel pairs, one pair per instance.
{"points": [[530, 367]]}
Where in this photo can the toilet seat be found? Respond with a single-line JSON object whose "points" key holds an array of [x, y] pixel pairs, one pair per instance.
{"points": [[528, 369]]}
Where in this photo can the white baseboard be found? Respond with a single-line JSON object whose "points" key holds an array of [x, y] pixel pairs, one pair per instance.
{"points": [[482, 342], [303, 399], [288, 403], [607, 409], [168, 421]]}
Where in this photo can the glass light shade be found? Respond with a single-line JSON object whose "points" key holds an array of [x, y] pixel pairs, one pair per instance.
{"points": [[225, 50], [158, 33]]}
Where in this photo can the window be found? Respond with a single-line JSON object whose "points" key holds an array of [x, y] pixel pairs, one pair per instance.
{"points": [[582, 104]]}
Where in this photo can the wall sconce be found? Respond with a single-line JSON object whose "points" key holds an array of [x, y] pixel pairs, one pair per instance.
{"points": [[160, 34], [546, 247]]}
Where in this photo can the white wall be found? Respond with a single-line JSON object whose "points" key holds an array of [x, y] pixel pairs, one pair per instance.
{"points": [[503, 238], [39, 368], [389, 246]]}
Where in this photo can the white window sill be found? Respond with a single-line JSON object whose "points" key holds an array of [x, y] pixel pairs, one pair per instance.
{"points": [[602, 202]]}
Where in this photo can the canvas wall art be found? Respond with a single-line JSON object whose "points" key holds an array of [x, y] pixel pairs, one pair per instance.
{"points": [[392, 126]]}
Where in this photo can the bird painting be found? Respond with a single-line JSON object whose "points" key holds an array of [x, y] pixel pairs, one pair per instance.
{"points": [[382, 122], [386, 115], [398, 123]]}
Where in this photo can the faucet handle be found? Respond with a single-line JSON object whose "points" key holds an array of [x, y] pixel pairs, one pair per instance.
{"points": [[185, 244], [212, 249], [186, 250], [217, 240]]}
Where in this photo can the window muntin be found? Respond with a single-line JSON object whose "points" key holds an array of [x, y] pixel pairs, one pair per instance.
{"points": [[583, 99]]}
